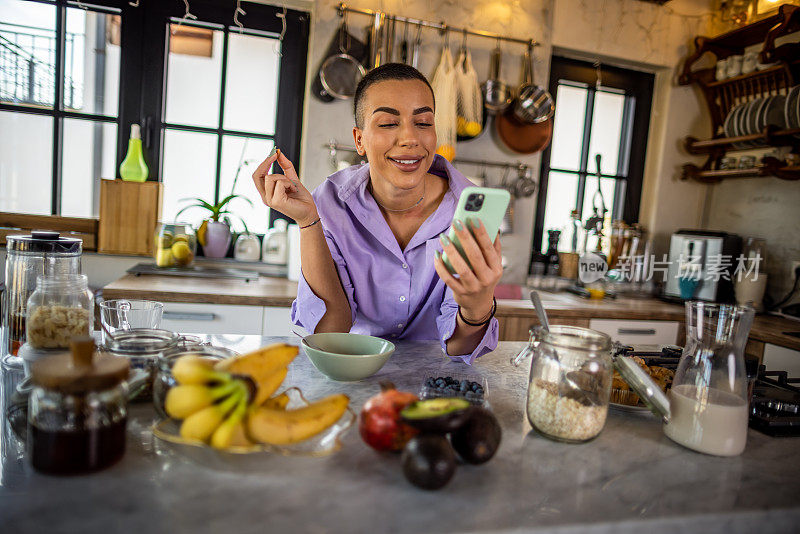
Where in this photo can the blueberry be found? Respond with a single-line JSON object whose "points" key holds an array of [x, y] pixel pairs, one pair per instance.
{"points": [[475, 386]]}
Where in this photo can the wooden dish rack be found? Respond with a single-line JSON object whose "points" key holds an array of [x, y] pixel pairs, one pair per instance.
{"points": [[724, 95]]}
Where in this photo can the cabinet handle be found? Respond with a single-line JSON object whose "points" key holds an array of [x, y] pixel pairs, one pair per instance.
{"points": [[189, 316], [637, 331]]}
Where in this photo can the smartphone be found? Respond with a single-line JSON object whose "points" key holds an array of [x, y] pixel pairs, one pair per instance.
{"points": [[485, 203]]}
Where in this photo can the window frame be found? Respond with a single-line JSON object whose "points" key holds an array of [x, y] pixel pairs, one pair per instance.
{"points": [[638, 89], [142, 82]]}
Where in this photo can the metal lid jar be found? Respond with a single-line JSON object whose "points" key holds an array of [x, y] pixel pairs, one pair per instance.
{"points": [[62, 307], [570, 382], [142, 347]]}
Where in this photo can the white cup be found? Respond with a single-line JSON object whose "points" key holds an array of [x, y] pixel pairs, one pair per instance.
{"points": [[750, 290], [722, 70], [749, 62], [735, 65]]}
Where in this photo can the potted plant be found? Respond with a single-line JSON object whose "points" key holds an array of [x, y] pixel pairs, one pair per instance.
{"points": [[214, 233]]}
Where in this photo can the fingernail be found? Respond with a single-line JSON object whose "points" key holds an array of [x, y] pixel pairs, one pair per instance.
{"points": [[457, 223], [437, 254], [475, 222], [444, 240], [274, 151]]}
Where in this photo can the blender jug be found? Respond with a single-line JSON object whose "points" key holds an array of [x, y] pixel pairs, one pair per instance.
{"points": [[28, 257]]}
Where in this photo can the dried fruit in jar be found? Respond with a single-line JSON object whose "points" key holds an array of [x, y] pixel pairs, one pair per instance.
{"points": [[52, 327]]}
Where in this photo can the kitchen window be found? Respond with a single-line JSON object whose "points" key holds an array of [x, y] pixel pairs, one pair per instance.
{"points": [[611, 119], [212, 99]]}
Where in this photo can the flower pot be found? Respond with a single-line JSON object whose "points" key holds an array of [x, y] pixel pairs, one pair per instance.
{"points": [[218, 239]]}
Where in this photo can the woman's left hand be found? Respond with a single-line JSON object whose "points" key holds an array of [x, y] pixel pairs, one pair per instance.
{"points": [[473, 290]]}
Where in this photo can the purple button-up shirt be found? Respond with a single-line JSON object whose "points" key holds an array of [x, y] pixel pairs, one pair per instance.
{"points": [[393, 293]]}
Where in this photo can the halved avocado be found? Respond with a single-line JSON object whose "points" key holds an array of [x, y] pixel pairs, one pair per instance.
{"points": [[437, 416]]}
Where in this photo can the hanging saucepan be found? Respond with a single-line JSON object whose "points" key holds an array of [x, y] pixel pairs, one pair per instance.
{"points": [[534, 104], [342, 68], [521, 137], [497, 96], [525, 186]]}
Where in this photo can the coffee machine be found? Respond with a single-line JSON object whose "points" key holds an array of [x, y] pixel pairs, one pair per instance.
{"points": [[708, 257]]}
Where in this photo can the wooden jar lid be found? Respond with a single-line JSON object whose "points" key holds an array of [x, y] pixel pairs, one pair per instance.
{"points": [[80, 371]]}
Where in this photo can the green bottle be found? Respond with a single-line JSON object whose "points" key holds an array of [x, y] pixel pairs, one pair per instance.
{"points": [[133, 167]]}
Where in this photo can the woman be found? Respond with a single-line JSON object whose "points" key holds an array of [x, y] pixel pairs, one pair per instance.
{"points": [[371, 236]]}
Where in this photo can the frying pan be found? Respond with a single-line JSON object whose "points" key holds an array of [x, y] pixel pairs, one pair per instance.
{"points": [[533, 104], [521, 137]]}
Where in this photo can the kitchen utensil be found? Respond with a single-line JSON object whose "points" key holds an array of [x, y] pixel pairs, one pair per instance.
{"points": [[533, 104], [734, 65], [520, 137], [722, 70], [27, 258], [749, 62], [703, 252], [791, 108], [706, 409], [376, 40], [497, 96], [342, 68], [345, 356], [525, 186], [388, 42], [121, 315], [540, 311], [415, 48], [404, 57]]}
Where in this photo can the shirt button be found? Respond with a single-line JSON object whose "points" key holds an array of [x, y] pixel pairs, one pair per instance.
{"points": [[402, 298], [405, 266], [399, 325]]}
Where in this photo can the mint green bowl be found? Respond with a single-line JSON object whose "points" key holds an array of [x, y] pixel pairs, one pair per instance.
{"points": [[347, 357]]}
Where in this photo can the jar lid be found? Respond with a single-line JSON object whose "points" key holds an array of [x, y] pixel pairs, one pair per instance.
{"points": [[80, 371], [142, 341], [44, 241], [643, 385]]}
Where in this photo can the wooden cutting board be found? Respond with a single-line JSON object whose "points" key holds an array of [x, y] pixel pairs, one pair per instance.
{"points": [[129, 213]]}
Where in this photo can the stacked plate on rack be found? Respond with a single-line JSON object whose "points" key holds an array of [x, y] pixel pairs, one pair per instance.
{"points": [[791, 111], [753, 116]]}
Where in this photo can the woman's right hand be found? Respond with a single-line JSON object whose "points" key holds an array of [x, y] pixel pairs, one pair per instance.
{"points": [[284, 192]]}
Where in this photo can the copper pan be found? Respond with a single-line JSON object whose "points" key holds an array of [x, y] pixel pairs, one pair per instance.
{"points": [[522, 137]]}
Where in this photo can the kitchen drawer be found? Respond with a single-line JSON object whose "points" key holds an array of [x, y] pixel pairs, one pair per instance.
{"points": [[638, 332], [212, 318], [278, 321], [777, 358]]}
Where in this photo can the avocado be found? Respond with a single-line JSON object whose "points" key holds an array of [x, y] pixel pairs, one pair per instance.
{"points": [[437, 416], [478, 438], [428, 461]]}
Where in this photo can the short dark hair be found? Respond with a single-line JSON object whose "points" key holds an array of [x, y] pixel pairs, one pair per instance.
{"points": [[389, 71]]}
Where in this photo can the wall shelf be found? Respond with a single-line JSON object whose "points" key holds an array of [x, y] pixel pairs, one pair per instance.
{"points": [[768, 167], [771, 136]]}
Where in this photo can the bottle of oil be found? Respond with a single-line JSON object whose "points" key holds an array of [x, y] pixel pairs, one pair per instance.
{"points": [[133, 167]]}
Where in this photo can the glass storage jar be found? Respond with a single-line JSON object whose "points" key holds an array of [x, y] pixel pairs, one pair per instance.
{"points": [[570, 382], [175, 245], [142, 347], [163, 380], [61, 307], [77, 410]]}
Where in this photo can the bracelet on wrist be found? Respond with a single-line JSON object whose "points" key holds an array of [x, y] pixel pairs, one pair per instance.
{"points": [[481, 322], [310, 225]]}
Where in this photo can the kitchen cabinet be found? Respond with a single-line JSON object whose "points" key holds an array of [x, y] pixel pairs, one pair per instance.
{"points": [[277, 321], [638, 332], [212, 318]]}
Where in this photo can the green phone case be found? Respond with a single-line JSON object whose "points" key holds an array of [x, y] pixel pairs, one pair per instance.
{"points": [[491, 213]]}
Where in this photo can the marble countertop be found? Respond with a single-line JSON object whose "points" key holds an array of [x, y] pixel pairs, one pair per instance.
{"points": [[631, 478]]}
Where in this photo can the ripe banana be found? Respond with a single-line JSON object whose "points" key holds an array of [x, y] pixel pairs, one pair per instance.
{"points": [[201, 425], [283, 427], [278, 403], [185, 399], [192, 369], [269, 385], [262, 363], [231, 432]]}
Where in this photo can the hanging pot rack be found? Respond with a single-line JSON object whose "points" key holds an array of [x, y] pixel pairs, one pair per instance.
{"points": [[443, 28], [333, 145]]}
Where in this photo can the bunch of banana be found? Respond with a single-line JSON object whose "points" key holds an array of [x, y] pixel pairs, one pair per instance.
{"points": [[229, 403]]}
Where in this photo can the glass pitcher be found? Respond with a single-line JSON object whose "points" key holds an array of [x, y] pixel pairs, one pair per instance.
{"points": [[570, 382], [708, 399]]}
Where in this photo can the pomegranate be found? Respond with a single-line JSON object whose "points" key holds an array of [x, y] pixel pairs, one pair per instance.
{"points": [[379, 423]]}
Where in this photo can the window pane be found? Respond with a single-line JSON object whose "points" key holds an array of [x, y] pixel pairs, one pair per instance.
{"points": [[26, 164], [190, 162], [562, 195], [91, 62], [194, 74], [565, 152], [27, 53], [607, 188], [606, 131], [250, 152], [90, 149], [251, 84]]}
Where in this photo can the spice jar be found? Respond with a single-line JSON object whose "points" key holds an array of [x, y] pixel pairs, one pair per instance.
{"points": [[77, 410], [570, 382], [142, 347], [61, 307]]}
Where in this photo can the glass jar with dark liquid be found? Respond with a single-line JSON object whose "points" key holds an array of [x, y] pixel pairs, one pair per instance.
{"points": [[77, 411]]}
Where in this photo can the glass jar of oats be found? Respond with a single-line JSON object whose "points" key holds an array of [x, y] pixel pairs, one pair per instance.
{"points": [[570, 382], [61, 307]]}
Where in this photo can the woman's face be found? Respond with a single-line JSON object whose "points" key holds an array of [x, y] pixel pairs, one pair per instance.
{"points": [[399, 136]]}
